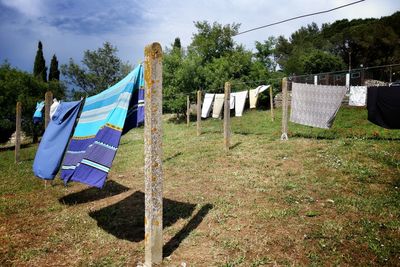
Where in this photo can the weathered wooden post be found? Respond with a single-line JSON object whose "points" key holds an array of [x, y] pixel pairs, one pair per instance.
{"points": [[285, 103], [187, 111], [271, 102], [48, 99], [227, 116], [18, 112], [153, 239], [198, 113]]}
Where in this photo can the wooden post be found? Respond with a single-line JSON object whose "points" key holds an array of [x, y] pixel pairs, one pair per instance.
{"points": [[18, 112], [187, 111], [285, 102], [198, 113], [48, 99], [271, 102], [153, 222], [227, 116]]}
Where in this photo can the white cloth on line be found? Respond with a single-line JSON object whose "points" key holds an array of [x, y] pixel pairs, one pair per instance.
{"points": [[53, 107], [240, 101], [358, 96], [208, 100], [218, 103], [253, 97], [262, 88]]}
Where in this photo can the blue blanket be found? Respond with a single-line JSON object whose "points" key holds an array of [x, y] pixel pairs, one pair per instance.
{"points": [[104, 118], [55, 139]]}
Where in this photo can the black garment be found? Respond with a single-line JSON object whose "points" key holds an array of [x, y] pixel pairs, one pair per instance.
{"points": [[383, 104]]}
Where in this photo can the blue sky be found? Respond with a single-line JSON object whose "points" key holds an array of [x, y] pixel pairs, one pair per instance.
{"points": [[69, 27]]}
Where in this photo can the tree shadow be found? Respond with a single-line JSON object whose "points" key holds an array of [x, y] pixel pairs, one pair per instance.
{"points": [[125, 219], [111, 188], [235, 145], [174, 242], [173, 156]]}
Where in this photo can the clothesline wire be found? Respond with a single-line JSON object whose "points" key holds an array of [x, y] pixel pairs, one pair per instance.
{"points": [[290, 77], [298, 17]]}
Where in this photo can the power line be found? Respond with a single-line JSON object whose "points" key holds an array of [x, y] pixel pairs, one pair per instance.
{"points": [[298, 17]]}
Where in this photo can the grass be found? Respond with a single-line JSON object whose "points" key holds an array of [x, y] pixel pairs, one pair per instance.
{"points": [[325, 197]]}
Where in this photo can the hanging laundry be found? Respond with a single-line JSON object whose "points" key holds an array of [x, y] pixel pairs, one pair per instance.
{"points": [[54, 107], [253, 97], [206, 108], [104, 118], [55, 139], [218, 104], [232, 100], [262, 88], [358, 96], [38, 115], [315, 105], [383, 104], [240, 101]]}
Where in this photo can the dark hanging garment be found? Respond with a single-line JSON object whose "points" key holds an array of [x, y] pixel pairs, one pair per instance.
{"points": [[383, 104]]}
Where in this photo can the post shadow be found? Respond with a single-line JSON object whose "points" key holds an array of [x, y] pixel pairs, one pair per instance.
{"points": [[174, 242], [125, 219], [111, 188]]}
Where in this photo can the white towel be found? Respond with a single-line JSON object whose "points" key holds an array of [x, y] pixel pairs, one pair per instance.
{"points": [[358, 96], [205, 110], [218, 103], [240, 101], [53, 107], [253, 97], [262, 88]]}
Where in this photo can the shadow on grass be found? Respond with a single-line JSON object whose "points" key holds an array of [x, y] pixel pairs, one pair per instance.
{"points": [[125, 219], [333, 137], [174, 242], [173, 156], [235, 145], [110, 188]]}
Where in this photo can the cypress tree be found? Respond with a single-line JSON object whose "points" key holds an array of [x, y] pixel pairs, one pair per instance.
{"points": [[177, 44], [39, 67], [54, 73]]}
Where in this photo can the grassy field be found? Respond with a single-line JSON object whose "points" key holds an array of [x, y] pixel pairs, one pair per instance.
{"points": [[325, 197]]}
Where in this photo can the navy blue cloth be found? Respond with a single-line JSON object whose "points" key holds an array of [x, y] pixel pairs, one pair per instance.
{"points": [[55, 139], [383, 104]]}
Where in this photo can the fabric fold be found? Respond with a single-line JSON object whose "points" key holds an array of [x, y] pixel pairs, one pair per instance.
{"points": [[104, 118], [315, 105], [55, 139], [218, 104]]}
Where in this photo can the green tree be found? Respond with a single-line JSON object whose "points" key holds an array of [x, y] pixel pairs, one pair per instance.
{"points": [[39, 67], [16, 85], [54, 73], [266, 53], [101, 69]]}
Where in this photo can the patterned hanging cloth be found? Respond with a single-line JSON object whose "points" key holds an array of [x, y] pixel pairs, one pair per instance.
{"points": [[105, 117], [315, 105]]}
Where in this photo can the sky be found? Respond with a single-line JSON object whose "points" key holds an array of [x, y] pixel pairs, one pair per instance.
{"points": [[69, 27]]}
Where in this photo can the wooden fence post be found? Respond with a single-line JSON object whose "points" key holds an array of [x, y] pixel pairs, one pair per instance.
{"points": [[153, 239], [227, 116], [187, 111], [285, 103], [271, 102], [48, 99], [18, 112], [198, 113]]}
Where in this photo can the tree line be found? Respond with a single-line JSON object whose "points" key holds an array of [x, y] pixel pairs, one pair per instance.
{"points": [[212, 58]]}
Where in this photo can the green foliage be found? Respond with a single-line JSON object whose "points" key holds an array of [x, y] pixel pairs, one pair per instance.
{"points": [[101, 69], [54, 73], [17, 85], [39, 67]]}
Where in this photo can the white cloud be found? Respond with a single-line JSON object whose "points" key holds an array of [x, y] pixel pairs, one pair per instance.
{"points": [[30, 8]]}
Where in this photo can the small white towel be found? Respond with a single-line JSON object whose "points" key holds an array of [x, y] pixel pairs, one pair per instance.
{"points": [[240, 101], [53, 107], [358, 96], [232, 100], [262, 88], [218, 103], [208, 100]]}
